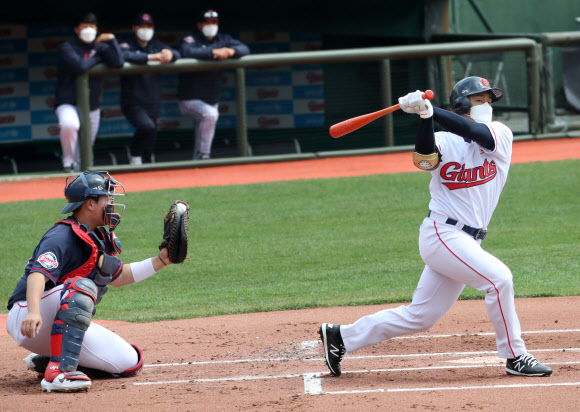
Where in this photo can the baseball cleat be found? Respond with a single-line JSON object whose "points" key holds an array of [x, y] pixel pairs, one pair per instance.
{"points": [[37, 363], [67, 382], [334, 349], [526, 365]]}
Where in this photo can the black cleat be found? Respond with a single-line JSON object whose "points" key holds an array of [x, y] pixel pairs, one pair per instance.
{"points": [[37, 363], [334, 350], [526, 365]]}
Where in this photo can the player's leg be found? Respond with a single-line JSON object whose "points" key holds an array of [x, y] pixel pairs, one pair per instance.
{"points": [[107, 355], [68, 330], [40, 343], [69, 123], [206, 117], [95, 119], [145, 134], [434, 296], [207, 124], [458, 256]]}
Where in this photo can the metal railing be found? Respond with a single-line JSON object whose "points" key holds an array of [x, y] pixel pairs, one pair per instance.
{"points": [[384, 55]]}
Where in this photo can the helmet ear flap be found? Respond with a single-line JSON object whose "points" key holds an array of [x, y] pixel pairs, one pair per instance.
{"points": [[461, 105]]}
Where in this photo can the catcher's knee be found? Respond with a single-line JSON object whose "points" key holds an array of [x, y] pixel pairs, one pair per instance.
{"points": [[78, 305], [135, 370]]}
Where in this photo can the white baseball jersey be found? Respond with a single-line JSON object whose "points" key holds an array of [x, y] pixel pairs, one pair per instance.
{"points": [[467, 184]]}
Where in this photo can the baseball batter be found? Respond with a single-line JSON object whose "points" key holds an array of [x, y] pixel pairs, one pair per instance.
{"points": [[53, 304], [469, 165]]}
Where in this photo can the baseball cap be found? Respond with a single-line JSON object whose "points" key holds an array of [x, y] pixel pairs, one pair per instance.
{"points": [[209, 16], [143, 18]]}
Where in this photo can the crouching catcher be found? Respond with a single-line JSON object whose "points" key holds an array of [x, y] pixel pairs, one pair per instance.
{"points": [[53, 304]]}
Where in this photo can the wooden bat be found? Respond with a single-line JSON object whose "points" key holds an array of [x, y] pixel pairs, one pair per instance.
{"points": [[350, 125]]}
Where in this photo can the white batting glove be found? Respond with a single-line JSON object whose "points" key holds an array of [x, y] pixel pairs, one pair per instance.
{"points": [[426, 110], [411, 103], [415, 103]]}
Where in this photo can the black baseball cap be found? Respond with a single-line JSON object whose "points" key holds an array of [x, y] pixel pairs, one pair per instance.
{"points": [[143, 18], [209, 16]]}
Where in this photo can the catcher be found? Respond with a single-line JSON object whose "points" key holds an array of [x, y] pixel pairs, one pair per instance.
{"points": [[70, 269]]}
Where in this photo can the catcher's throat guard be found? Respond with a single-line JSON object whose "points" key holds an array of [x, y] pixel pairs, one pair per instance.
{"points": [[426, 162]]}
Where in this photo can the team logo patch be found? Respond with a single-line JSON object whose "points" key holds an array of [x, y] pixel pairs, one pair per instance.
{"points": [[189, 39], [456, 176], [485, 82], [48, 260]]}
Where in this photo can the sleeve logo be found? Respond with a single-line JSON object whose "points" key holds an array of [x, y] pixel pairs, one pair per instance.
{"points": [[48, 260]]}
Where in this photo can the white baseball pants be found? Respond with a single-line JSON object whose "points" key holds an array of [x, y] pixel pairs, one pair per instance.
{"points": [[206, 117], [453, 259], [102, 349], [69, 122]]}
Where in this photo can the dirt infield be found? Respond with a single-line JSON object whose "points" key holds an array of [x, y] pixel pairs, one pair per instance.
{"points": [[273, 361]]}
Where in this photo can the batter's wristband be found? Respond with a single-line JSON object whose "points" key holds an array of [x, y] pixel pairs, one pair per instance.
{"points": [[142, 270]]}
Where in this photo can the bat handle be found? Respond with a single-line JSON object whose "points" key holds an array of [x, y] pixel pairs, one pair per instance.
{"points": [[429, 95]]}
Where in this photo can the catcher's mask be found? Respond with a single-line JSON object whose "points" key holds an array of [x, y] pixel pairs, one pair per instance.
{"points": [[458, 99], [91, 185]]}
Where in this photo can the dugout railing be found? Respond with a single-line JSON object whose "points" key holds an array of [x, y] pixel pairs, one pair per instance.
{"points": [[383, 55]]}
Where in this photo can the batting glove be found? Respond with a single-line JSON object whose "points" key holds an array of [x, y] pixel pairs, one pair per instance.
{"points": [[426, 109], [411, 102]]}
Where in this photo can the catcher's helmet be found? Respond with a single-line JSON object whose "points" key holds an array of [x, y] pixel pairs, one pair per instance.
{"points": [[91, 185], [458, 99]]}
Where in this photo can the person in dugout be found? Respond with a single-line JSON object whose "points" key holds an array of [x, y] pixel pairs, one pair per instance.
{"points": [[199, 92], [76, 57], [141, 93]]}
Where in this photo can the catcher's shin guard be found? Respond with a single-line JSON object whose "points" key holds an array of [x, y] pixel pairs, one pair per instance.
{"points": [[73, 318]]}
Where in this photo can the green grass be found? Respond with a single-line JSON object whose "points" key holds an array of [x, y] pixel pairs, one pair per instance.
{"points": [[313, 243]]}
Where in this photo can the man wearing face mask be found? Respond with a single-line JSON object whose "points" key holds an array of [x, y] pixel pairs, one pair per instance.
{"points": [[141, 93], [199, 92], [469, 164], [75, 57]]}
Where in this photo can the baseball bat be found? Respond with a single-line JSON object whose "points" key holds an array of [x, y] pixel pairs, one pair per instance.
{"points": [[350, 125]]}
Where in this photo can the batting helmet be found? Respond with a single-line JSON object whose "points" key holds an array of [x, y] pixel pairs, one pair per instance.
{"points": [[91, 185], [458, 99]]}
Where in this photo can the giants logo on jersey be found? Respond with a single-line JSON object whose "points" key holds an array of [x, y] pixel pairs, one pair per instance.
{"points": [[458, 177]]}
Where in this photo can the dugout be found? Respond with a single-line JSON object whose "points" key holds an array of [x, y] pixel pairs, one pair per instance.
{"points": [[348, 89]]}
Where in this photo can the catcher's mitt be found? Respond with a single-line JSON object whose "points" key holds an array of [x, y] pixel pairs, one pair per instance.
{"points": [[175, 231]]}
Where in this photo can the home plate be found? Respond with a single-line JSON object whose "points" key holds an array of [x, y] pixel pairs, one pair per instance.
{"points": [[486, 360]]}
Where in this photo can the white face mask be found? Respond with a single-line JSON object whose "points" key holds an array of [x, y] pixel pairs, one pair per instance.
{"points": [[145, 33], [88, 34], [481, 113], [210, 30]]}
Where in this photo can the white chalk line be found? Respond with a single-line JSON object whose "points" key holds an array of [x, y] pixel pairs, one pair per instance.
{"points": [[313, 381], [286, 359], [455, 388]]}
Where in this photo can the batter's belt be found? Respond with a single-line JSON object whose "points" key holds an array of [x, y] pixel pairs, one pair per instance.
{"points": [[471, 231]]}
